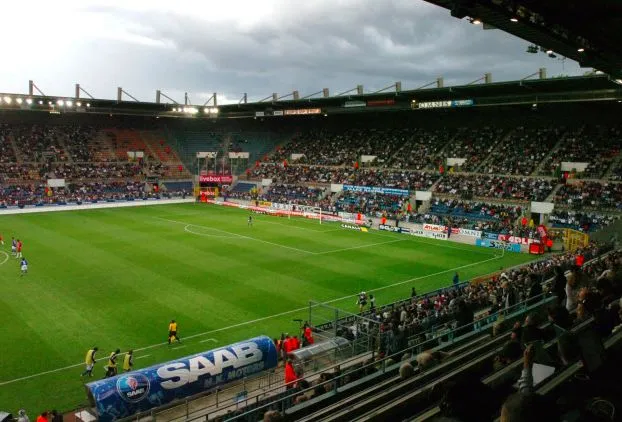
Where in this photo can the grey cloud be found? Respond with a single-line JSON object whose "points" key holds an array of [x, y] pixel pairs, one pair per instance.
{"points": [[374, 43]]}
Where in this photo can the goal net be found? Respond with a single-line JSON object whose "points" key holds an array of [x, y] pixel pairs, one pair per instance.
{"points": [[310, 212]]}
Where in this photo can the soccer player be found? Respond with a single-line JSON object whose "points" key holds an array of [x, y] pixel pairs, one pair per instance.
{"points": [[128, 361], [362, 301], [19, 249], [24, 266], [90, 361], [172, 332], [13, 246], [250, 221], [111, 368], [1, 240]]}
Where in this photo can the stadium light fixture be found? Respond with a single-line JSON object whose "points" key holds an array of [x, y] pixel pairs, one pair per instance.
{"points": [[60, 102], [580, 50], [8, 99], [19, 101], [69, 103], [618, 81], [28, 101], [40, 102], [79, 104], [88, 104], [549, 51], [476, 22], [514, 20]]}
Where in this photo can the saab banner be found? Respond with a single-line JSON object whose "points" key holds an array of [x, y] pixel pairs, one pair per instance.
{"points": [[124, 395], [215, 178], [373, 189], [487, 243]]}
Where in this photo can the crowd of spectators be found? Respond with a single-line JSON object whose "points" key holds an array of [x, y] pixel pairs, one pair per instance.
{"points": [[582, 221], [284, 193], [590, 195], [474, 144], [420, 149], [370, 204], [596, 145], [7, 154], [428, 317], [498, 187], [498, 218], [521, 152], [37, 143]]}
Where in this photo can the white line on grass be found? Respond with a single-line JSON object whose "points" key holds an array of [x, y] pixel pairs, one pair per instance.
{"points": [[143, 356], [208, 339], [254, 321], [360, 246], [239, 235], [178, 347], [225, 236], [6, 257]]}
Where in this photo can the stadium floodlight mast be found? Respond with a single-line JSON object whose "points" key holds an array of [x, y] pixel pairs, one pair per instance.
{"points": [[325, 93], [439, 82], [396, 85], [358, 89], [120, 92], [487, 78]]}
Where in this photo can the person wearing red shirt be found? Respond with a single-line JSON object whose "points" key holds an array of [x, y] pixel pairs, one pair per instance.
{"points": [[286, 346], [579, 260], [308, 335], [19, 249], [296, 343], [290, 376], [43, 417]]}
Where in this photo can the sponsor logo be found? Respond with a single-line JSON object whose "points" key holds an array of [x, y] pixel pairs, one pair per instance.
{"points": [[467, 232], [350, 226], [239, 360], [390, 228], [206, 178], [434, 228], [133, 388]]}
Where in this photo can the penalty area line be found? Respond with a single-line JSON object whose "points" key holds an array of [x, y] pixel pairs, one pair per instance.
{"points": [[254, 321], [6, 257]]}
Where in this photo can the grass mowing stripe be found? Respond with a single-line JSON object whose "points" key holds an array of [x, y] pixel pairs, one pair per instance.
{"points": [[261, 319]]}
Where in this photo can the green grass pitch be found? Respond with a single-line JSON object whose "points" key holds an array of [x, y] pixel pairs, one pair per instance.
{"points": [[116, 277]]}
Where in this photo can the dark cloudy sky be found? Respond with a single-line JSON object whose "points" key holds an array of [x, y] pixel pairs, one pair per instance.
{"points": [[259, 47]]}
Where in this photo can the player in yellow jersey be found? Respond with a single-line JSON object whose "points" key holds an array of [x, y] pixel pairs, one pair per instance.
{"points": [[128, 361], [90, 361], [172, 332], [111, 368]]}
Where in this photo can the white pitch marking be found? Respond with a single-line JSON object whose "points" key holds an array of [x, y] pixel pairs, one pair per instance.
{"points": [[143, 356], [225, 236], [241, 236], [178, 347], [208, 339], [360, 246], [241, 324], [6, 257]]}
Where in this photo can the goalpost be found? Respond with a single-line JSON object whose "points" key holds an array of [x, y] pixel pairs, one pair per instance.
{"points": [[309, 211]]}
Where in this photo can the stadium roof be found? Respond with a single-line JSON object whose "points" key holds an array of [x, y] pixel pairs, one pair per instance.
{"points": [[588, 32], [598, 87]]}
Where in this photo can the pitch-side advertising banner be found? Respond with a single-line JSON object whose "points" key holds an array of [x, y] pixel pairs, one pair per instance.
{"points": [[373, 189], [413, 232], [215, 178], [496, 244], [124, 395]]}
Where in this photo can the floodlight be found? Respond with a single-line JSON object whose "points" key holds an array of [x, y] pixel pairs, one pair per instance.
{"points": [[7, 100], [49, 102], [549, 51], [88, 104], [69, 103], [19, 100], [28, 101], [60, 102], [580, 50], [79, 104], [476, 22], [40, 102], [514, 20]]}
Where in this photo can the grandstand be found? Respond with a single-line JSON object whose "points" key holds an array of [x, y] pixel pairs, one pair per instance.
{"points": [[453, 192]]}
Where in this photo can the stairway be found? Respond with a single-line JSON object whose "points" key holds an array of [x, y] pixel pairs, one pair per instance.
{"points": [[553, 193], [502, 141], [18, 154], [545, 160]]}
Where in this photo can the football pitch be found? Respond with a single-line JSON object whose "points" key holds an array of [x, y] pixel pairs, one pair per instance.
{"points": [[114, 278]]}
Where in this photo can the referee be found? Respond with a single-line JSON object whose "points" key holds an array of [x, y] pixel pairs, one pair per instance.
{"points": [[172, 332]]}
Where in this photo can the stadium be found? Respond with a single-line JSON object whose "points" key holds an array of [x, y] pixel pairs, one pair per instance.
{"points": [[445, 253]]}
